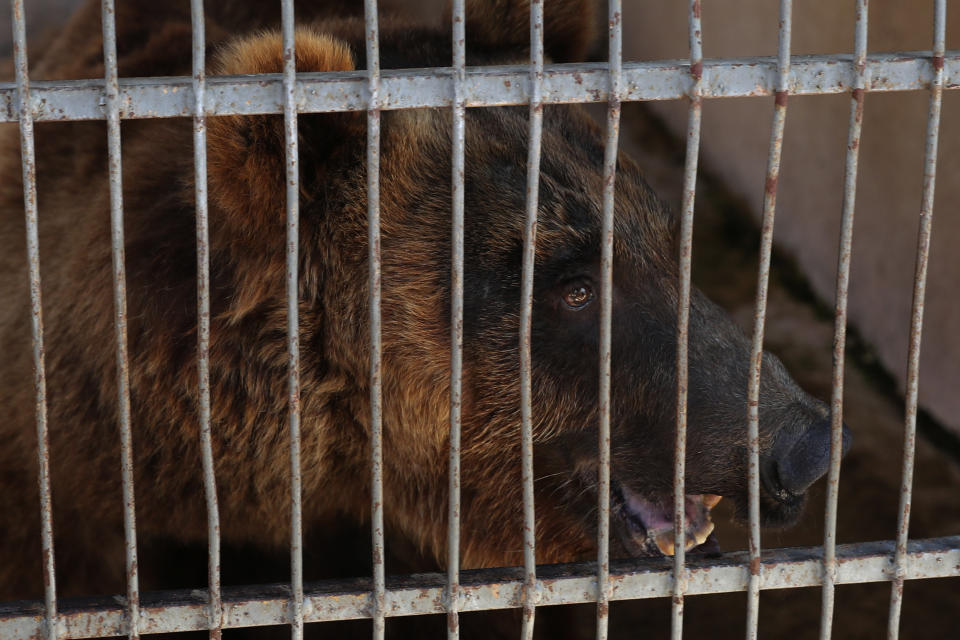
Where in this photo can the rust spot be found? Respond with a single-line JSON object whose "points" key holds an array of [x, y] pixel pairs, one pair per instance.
{"points": [[855, 144], [755, 567], [937, 62], [696, 9], [858, 95], [603, 609], [696, 70], [452, 622], [771, 186], [780, 98], [507, 83]]}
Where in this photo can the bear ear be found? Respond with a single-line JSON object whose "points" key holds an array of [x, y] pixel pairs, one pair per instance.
{"points": [[568, 32], [246, 154]]}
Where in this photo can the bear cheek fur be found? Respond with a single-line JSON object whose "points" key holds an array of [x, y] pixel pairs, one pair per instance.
{"points": [[246, 163], [415, 219]]}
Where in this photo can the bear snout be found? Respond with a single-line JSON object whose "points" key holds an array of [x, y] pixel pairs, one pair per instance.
{"points": [[797, 461]]}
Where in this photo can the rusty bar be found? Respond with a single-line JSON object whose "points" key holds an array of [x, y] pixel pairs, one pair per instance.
{"points": [[501, 85], [916, 318], [50, 624], [615, 63], [683, 318], [840, 322], [456, 319], [203, 320], [530, 594], [488, 589], [756, 353], [379, 593], [293, 319], [112, 91]]}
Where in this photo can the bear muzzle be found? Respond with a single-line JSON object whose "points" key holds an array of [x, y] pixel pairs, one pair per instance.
{"points": [[797, 461]]}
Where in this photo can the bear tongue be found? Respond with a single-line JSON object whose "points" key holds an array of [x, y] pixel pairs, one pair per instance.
{"points": [[657, 519]]}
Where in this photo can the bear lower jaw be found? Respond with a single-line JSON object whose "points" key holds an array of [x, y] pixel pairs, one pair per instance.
{"points": [[647, 526]]}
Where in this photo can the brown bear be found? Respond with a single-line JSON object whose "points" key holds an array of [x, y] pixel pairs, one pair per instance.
{"points": [[248, 334]]}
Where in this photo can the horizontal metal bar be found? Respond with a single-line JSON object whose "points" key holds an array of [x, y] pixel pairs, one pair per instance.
{"points": [[483, 86], [485, 589]]}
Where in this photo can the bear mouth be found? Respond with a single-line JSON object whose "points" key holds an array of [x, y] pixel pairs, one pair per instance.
{"points": [[646, 526]]}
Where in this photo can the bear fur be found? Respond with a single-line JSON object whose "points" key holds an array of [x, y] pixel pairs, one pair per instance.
{"points": [[248, 350]]}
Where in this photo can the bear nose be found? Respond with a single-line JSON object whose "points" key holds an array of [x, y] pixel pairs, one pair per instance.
{"points": [[807, 458]]}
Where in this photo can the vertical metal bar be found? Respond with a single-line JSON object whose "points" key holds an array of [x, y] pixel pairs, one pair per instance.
{"points": [[683, 319], [530, 595], [615, 63], [25, 116], [916, 319], [456, 318], [120, 313], [203, 319], [293, 320], [376, 394], [840, 324], [756, 353]]}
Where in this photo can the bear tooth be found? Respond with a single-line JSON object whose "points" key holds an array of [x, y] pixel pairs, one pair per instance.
{"points": [[704, 533], [711, 500], [664, 540]]}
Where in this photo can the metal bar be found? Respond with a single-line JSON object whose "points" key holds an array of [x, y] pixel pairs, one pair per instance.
{"points": [[756, 353], [487, 589], [379, 593], [916, 318], [530, 595], [48, 624], [112, 109], [203, 320], [293, 319], [456, 318], [840, 322], [683, 318], [483, 86], [615, 64]]}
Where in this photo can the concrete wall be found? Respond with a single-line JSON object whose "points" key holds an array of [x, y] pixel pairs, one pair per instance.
{"points": [[734, 146]]}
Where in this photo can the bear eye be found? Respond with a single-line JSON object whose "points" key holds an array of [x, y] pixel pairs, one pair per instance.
{"points": [[578, 295]]}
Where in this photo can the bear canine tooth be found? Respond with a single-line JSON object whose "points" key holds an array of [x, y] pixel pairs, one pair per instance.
{"points": [[711, 500], [704, 533]]}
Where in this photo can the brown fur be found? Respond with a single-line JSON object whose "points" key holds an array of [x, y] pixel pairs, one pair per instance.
{"points": [[568, 26], [248, 360]]}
